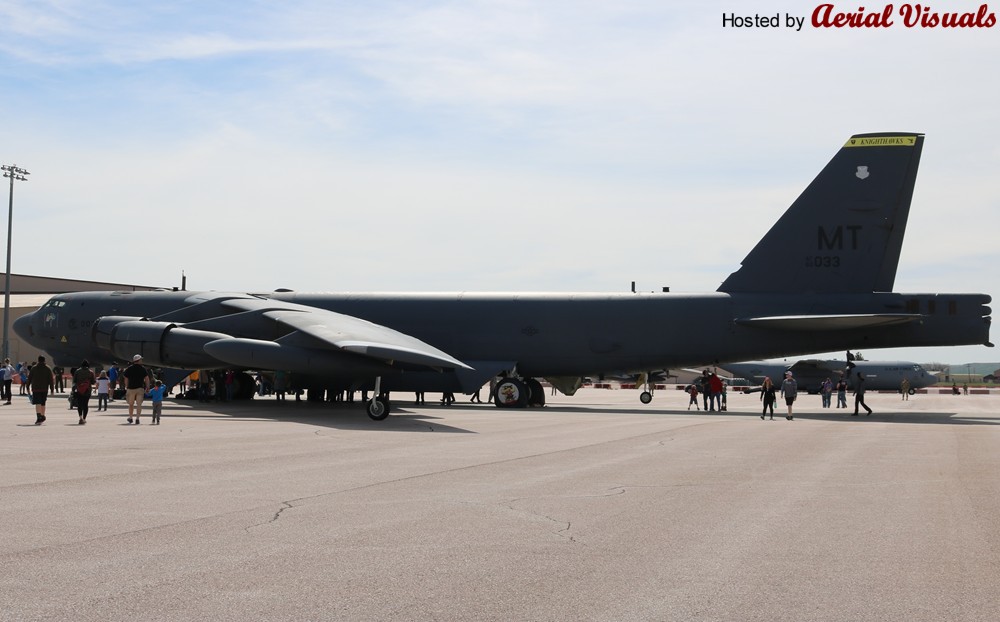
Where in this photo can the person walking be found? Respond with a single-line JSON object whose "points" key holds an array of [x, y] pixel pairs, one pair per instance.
{"points": [[8, 379], [155, 396], [790, 390], [83, 384], [136, 384], [859, 395], [103, 389], [40, 378], [767, 397]]}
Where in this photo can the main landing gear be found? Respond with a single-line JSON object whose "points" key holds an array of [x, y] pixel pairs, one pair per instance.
{"points": [[516, 393]]}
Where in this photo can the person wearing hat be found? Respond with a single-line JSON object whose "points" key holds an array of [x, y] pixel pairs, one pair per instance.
{"points": [[789, 389], [136, 385]]}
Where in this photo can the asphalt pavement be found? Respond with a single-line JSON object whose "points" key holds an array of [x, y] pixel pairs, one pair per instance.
{"points": [[596, 507]]}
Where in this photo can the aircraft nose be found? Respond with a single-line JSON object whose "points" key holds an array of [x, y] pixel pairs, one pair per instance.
{"points": [[22, 326]]}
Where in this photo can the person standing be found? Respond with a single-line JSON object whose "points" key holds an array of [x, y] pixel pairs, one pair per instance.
{"points": [[904, 388], [60, 379], [841, 393], [825, 391], [112, 382], [22, 373], [693, 392], [40, 379], [703, 387], [136, 384], [155, 396], [859, 395], [103, 388], [715, 391], [229, 379], [790, 390], [8, 379], [83, 383], [767, 397]]}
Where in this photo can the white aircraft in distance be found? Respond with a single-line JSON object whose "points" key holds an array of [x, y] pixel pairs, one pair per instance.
{"points": [[810, 373]]}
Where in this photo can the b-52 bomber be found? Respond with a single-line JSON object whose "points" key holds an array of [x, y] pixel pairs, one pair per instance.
{"points": [[820, 280]]}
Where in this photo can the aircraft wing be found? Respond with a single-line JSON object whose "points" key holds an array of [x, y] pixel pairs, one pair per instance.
{"points": [[829, 322], [817, 365], [346, 333], [214, 329]]}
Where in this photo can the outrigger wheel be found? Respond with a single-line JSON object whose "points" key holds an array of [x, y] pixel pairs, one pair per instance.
{"points": [[378, 408]]}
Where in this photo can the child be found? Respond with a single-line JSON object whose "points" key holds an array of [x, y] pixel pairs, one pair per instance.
{"points": [[693, 390], [155, 395], [103, 386]]}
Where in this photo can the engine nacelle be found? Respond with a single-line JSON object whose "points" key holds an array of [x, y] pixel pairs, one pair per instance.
{"points": [[159, 343]]}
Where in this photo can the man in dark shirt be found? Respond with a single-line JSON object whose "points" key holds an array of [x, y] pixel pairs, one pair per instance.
{"points": [[40, 379], [859, 395], [136, 385]]}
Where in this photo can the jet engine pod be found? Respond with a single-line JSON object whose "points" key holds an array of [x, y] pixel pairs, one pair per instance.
{"points": [[163, 343], [105, 326]]}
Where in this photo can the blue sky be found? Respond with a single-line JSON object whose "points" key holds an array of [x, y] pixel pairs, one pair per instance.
{"points": [[509, 145]]}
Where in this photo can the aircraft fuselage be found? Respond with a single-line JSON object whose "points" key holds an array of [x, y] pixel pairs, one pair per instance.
{"points": [[551, 334]]}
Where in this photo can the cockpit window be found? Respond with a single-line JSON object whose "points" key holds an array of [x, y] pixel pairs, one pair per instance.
{"points": [[55, 303]]}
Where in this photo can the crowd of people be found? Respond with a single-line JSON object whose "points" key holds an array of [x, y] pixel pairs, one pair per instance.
{"points": [[137, 383], [713, 390]]}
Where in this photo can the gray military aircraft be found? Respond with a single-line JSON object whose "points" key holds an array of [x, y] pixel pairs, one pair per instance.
{"points": [[819, 280], [810, 373]]}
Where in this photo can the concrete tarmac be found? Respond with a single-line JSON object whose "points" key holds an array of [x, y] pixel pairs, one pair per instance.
{"points": [[594, 508]]}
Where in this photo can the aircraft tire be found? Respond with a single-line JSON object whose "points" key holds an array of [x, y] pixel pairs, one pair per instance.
{"points": [[645, 397], [912, 391], [510, 393], [377, 409], [536, 392]]}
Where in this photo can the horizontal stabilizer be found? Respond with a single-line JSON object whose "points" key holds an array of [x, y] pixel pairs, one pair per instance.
{"points": [[829, 322]]}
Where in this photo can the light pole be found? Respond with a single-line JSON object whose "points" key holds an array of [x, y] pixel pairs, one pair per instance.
{"points": [[15, 173]]}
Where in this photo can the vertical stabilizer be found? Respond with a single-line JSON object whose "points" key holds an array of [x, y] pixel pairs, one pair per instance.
{"points": [[845, 231]]}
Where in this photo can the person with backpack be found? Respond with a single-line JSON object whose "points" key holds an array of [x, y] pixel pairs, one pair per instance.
{"points": [[83, 384]]}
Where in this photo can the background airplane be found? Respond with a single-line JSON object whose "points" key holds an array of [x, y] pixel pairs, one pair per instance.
{"points": [[810, 373], [818, 281]]}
